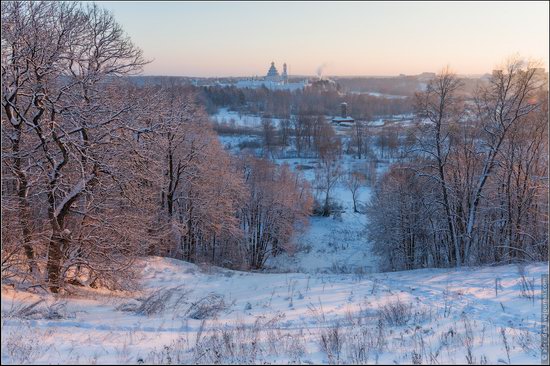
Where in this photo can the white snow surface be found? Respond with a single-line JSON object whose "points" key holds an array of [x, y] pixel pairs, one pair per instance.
{"points": [[335, 243], [225, 116], [283, 318], [381, 95]]}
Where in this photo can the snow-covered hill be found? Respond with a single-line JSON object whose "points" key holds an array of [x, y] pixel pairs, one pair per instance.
{"points": [[187, 313]]}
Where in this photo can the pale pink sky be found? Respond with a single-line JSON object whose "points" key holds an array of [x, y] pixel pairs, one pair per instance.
{"points": [[348, 38]]}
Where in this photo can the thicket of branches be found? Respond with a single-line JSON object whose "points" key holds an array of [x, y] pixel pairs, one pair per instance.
{"points": [[97, 172], [475, 188]]}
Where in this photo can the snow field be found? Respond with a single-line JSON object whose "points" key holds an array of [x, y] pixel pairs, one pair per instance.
{"points": [[209, 315]]}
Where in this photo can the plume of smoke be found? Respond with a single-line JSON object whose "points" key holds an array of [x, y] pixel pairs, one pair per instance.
{"points": [[320, 69]]}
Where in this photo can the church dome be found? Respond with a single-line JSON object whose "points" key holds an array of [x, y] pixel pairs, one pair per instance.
{"points": [[272, 70]]}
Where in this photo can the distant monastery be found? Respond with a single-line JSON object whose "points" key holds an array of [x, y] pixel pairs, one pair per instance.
{"points": [[273, 74], [273, 80]]}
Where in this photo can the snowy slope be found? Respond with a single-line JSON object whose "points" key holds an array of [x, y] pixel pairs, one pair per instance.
{"points": [[217, 315]]}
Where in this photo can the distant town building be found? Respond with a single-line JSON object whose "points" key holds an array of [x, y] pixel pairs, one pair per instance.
{"points": [[343, 119], [540, 73], [426, 76], [540, 70]]}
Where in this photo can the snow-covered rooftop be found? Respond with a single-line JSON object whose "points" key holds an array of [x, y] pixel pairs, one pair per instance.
{"points": [[342, 119]]}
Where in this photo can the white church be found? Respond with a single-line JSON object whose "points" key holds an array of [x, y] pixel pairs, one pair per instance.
{"points": [[273, 80], [273, 75]]}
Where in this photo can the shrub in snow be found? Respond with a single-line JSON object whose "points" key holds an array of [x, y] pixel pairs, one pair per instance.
{"points": [[161, 299], [207, 307], [40, 310], [331, 341], [18, 348], [396, 313]]}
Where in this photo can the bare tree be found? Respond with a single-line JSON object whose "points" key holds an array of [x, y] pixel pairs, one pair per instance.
{"points": [[354, 182], [279, 204], [507, 100], [269, 136], [61, 62], [358, 138], [440, 106], [286, 131], [198, 185], [481, 164], [327, 175]]}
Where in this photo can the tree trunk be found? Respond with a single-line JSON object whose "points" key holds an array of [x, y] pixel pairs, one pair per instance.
{"points": [[55, 253]]}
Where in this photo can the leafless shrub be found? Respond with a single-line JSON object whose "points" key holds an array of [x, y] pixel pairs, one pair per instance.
{"points": [[381, 341], [57, 310], [527, 288], [359, 346], [288, 344], [317, 312], [340, 268], [22, 310], [39, 310], [396, 313], [21, 345], [159, 300], [176, 352], [525, 340], [447, 301], [241, 343], [448, 338], [468, 339], [238, 345], [207, 307], [331, 340], [123, 354]]}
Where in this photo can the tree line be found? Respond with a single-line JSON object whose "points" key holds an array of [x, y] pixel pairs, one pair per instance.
{"points": [[312, 100], [97, 171], [474, 187]]}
